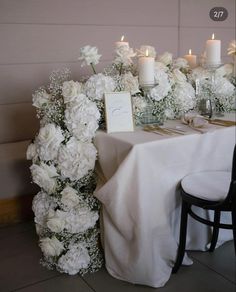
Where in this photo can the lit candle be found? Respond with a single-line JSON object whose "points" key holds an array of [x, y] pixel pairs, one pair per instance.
{"points": [[122, 43], [192, 59], [213, 51], [146, 69]]}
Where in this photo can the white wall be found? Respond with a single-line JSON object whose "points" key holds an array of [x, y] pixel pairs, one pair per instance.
{"points": [[38, 36]]}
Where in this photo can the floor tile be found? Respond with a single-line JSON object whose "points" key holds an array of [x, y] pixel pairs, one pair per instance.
{"points": [[222, 260], [194, 278], [13, 229], [20, 270], [19, 264], [64, 283], [103, 282]]}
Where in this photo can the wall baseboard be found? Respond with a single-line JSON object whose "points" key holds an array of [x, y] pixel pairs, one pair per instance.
{"points": [[16, 209]]}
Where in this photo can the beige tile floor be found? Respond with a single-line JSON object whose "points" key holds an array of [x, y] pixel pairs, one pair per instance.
{"points": [[20, 270]]}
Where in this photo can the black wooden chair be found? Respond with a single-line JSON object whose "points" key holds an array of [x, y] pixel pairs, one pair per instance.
{"points": [[210, 190]]}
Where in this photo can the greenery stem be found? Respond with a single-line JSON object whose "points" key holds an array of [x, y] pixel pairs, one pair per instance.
{"points": [[93, 68], [121, 65]]}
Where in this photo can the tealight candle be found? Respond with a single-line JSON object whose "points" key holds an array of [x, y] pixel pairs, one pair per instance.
{"points": [[146, 69], [213, 51], [122, 42], [192, 59]]}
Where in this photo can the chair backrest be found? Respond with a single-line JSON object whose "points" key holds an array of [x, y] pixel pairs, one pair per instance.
{"points": [[234, 165], [231, 197]]}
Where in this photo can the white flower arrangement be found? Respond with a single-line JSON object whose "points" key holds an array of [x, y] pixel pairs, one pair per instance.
{"points": [[63, 153]]}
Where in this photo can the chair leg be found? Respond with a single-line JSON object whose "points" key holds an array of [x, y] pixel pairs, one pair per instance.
{"points": [[234, 228], [215, 231], [182, 237]]}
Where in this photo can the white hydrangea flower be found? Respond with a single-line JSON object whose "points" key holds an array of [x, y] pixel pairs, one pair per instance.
{"points": [[184, 96], [44, 176], [166, 58], [180, 63], [41, 205], [97, 85], [223, 87], [75, 259], [32, 153], [41, 98], [224, 71], [143, 49], [69, 198], [70, 90], [178, 76], [56, 220], [161, 90], [81, 118], [89, 55], [51, 247], [48, 141], [80, 219], [124, 55], [76, 158], [130, 83]]}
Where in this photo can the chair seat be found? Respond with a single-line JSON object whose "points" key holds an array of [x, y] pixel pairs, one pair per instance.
{"points": [[208, 185]]}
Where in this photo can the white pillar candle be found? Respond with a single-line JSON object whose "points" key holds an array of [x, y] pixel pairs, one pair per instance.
{"points": [[122, 43], [146, 70], [192, 59], [213, 51]]}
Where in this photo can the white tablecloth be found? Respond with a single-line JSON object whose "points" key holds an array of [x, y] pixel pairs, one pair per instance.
{"points": [[140, 174]]}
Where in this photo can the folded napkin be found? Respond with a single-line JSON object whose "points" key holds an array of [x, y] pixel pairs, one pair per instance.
{"points": [[194, 120]]}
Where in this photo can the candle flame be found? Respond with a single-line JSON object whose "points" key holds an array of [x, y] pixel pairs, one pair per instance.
{"points": [[190, 52], [146, 53], [122, 38], [213, 36]]}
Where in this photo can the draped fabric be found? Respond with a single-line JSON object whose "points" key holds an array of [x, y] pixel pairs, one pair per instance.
{"points": [[140, 173]]}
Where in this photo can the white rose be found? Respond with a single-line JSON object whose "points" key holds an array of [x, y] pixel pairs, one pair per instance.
{"points": [[70, 90], [130, 83], [41, 98], [178, 76], [44, 176], [69, 197], [166, 58], [49, 140], [89, 55], [31, 153], [56, 221], [180, 63], [75, 259], [51, 246], [41, 205]]}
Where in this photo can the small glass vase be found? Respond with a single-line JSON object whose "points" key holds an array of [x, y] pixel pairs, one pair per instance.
{"points": [[207, 102], [151, 114]]}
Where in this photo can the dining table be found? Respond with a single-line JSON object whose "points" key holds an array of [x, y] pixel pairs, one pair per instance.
{"points": [[139, 175]]}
